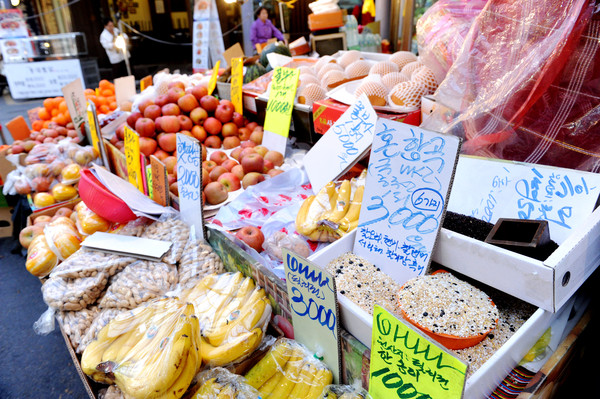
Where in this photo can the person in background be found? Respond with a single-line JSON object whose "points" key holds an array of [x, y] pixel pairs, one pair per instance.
{"points": [[263, 30], [115, 55]]}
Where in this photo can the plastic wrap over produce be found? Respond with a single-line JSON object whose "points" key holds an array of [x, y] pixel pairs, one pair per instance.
{"points": [[524, 86], [289, 370], [220, 383], [345, 392], [441, 32], [151, 351]]}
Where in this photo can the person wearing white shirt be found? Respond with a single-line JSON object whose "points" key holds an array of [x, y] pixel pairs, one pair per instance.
{"points": [[115, 55]]}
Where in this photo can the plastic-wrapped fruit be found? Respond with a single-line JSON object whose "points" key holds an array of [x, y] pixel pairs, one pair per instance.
{"points": [[412, 67], [406, 96], [392, 79], [358, 69], [40, 259], [375, 91], [63, 192], [382, 68], [425, 77], [402, 58], [311, 93], [71, 172], [41, 200], [349, 57]]}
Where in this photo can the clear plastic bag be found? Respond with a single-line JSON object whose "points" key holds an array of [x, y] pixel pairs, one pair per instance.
{"points": [[524, 85], [345, 392], [62, 237], [70, 294], [147, 352], [76, 324], [233, 313], [139, 282], [133, 228], [101, 319], [89, 222], [88, 263], [198, 260], [289, 370], [112, 392], [220, 383], [173, 229]]}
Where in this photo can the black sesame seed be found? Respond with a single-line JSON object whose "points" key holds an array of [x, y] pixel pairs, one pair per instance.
{"points": [[350, 262], [342, 292], [442, 313], [425, 314], [358, 285]]}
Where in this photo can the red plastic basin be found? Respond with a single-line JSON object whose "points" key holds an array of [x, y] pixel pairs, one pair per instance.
{"points": [[102, 201]]}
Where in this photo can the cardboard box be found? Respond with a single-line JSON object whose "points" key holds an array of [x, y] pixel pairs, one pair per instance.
{"points": [[326, 20], [360, 324], [6, 166], [51, 210], [6, 225], [327, 112]]}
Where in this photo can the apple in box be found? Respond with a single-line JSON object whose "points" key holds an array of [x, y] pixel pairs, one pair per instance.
{"points": [[215, 193], [230, 181], [147, 146], [224, 111], [238, 170], [229, 164], [231, 142], [213, 142], [27, 235], [174, 94], [131, 119], [212, 125], [170, 124], [199, 133], [161, 100], [252, 236], [218, 157], [167, 141]]}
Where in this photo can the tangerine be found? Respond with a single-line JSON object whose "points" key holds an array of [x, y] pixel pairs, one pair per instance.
{"points": [[43, 114], [37, 125]]}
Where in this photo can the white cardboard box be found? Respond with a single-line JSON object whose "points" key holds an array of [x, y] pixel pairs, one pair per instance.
{"points": [[360, 324]]}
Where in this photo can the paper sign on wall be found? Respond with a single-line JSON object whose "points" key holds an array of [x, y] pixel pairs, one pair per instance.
{"points": [[189, 181], [342, 145], [237, 81], [408, 180], [489, 189], [404, 362], [132, 155], [76, 103], [124, 89], [212, 83], [313, 304], [160, 189]]}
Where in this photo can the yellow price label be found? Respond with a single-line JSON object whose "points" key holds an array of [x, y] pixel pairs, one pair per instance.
{"points": [[149, 180], [93, 131], [281, 100], [212, 83], [403, 361], [237, 81], [132, 156]]}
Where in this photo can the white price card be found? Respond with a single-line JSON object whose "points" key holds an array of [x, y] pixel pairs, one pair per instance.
{"points": [[189, 182]]}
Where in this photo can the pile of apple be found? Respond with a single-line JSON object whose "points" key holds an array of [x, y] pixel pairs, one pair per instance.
{"points": [[247, 166], [192, 112], [52, 134]]}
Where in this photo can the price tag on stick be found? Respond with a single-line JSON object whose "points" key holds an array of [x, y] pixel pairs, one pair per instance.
{"points": [[404, 363], [279, 108], [237, 81], [160, 186], [132, 155], [94, 129], [212, 83], [314, 308], [189, 182], [406, 191]]}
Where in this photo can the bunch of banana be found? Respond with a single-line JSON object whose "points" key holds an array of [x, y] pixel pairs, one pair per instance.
{"points": [[233, 314], [333, 212], [219, 383], [289, 371], [345, 392], [151, 352]]}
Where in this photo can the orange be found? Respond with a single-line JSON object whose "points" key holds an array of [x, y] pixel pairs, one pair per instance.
{"points": [[112, 105], [54, 112], [104, 109], [67, 116], [107, 92], [89, 92], [46, 124], [62, 107], [92, 98], [61, 120], [37, 125], [111, 98], [105, 84], [49, 104], [43, 114], [102, 100], [56, 101]]}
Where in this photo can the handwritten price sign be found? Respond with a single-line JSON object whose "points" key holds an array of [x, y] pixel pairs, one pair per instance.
{"points": [[281, 100], [409, 176], [212, 83], [189, 182], [132, 156], [237, 81], [487, 189], [404, 364], [342, 145], [313, 303]]}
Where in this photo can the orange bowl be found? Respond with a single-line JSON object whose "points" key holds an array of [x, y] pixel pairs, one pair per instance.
{"points": [[449, 341], [102, 201]]}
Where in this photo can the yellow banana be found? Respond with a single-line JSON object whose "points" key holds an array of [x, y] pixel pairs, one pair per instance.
{"points": [[321, 380], [200, 288], [243, 320], [92, 355], [228, 392], [222, 316], [268, 387], [302, 225], [291, 375], [196, 339], [331, 193], [274, 360], [220, 292], [232, 350], [184, 380], [209, 389], [353, 210], [342, 203], [303, 385]]}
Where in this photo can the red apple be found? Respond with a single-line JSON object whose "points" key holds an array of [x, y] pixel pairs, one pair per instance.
{"points": [[167, 141], [113, 139], [204, 152], [218, 157], [253, 163], [145, 127], [244, 152], [170, 109], [187, 102], [170, 124], [235, 154], [231, 142], [161, 100], [230, 181], [120, 132], [205, 177], [174, 94], [209, 165], [274, 172], [144, 104], [224, 112], [27, 235], [229, 164], [199, 91], [215, 193], [251, 179], [274, 156], [199, 133], [213, 142], [248, 143], [160, 154], [186, 133], [157, 124], [229, 129], [212, 125], [252, 125], [170, 163], [176, 83], [238, 119], [152, 111], [262, 150], [147, 146], [244, 133], [252, 236], [198, 115], [185, 122], [268, 166], [216, 172], [238, 170], [257, 137], [174, 188], [134, 116], [209, 103]]}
